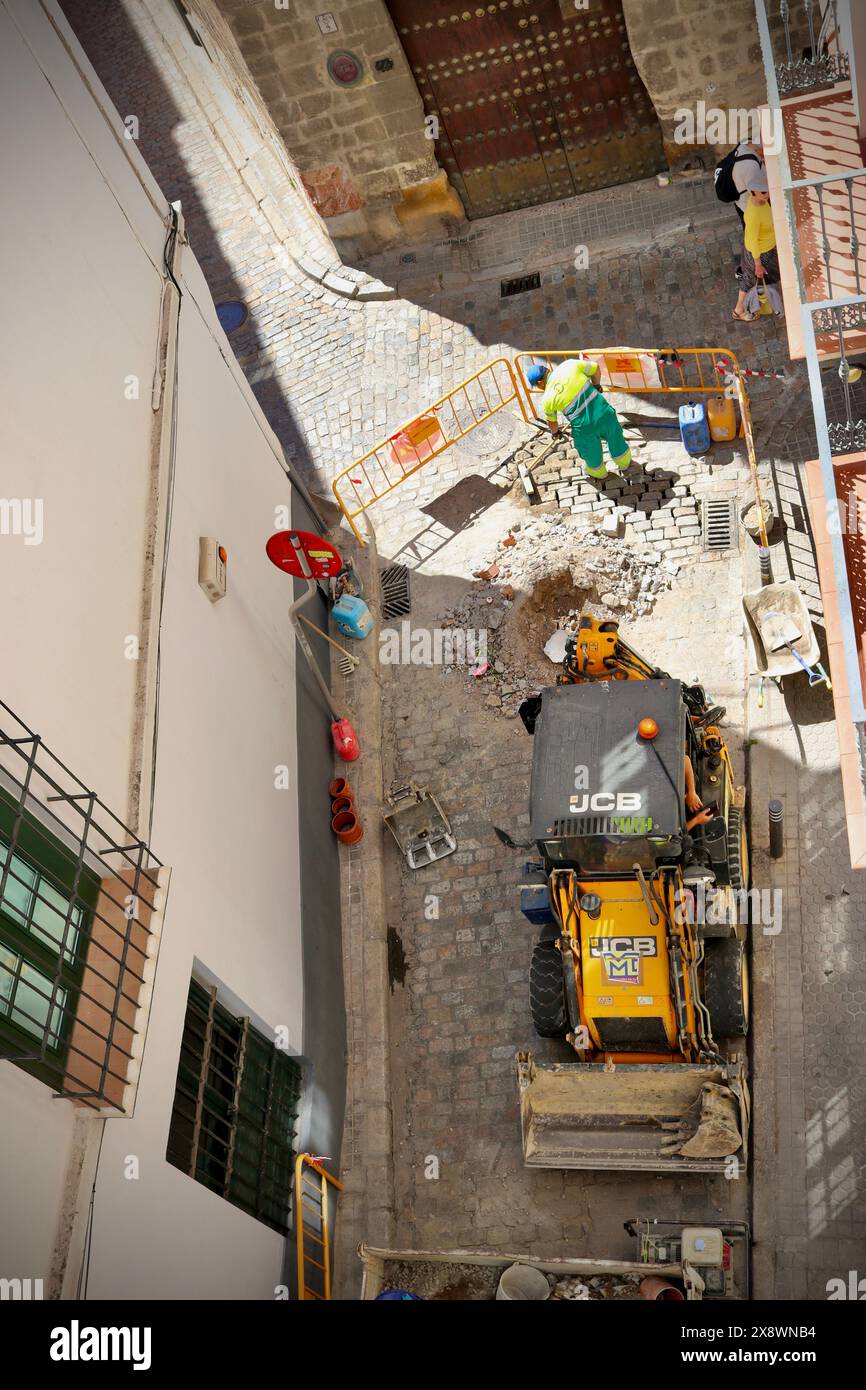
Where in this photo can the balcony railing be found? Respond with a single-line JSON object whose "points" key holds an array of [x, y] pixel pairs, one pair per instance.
{"points": [[806, 46], [80, 916], [825, 210], [826, 214]]}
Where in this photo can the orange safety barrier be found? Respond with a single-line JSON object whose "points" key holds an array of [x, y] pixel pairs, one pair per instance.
{"points": [[313, 1225], [390, 462]]}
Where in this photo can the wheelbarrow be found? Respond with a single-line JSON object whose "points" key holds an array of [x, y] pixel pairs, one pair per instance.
{"points": [[783, 638]]}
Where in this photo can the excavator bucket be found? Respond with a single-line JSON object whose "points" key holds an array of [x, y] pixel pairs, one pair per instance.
{"points": [[668, 1117]]}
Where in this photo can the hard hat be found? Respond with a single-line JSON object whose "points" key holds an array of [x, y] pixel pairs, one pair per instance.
{"points": [[536, 372]]}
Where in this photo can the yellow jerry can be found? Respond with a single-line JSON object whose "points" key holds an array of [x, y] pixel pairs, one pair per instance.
{"points": [[722, 418]]}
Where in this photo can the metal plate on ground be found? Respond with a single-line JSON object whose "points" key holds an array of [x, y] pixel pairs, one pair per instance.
{"points": [[719, 524]]}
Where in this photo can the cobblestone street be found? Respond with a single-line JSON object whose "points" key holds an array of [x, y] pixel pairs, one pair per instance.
{"points": [[432, 1060], [464, 1011]]}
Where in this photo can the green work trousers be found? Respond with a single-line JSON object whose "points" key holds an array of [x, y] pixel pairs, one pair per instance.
{"points": [[596, 424]]}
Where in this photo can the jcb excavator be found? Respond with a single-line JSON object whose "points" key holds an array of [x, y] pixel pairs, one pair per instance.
{"points": [[641, 963]]}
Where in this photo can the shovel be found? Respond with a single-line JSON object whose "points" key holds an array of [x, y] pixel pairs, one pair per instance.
{"points": [[785, 634]]}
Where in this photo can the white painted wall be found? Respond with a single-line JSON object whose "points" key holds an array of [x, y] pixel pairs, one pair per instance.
{"points": [[84, 300]]}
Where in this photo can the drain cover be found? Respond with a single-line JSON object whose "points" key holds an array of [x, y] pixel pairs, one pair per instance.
{"points": [[396, 599], [720, 523], [520, 285]]}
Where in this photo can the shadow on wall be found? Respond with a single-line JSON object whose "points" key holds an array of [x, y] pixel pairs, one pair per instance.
{"points": [[135, 85]]}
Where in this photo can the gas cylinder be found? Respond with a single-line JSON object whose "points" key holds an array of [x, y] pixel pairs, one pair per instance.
{"points": [[722, 418], [345, 740]]}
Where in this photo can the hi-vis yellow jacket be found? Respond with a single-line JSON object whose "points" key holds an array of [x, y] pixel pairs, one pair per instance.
{"points": [[569, 388]]}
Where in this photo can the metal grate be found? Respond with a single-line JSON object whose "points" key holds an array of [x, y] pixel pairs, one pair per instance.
{"points": [[235, 1110], [573, 826], [719, 523], [396, 597], [79, 920], [520, 285]]}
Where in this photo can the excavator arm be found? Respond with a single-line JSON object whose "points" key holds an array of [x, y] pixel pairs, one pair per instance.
{"points": [[597, 652]]}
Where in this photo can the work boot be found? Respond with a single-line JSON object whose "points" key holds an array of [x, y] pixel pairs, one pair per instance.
{"points": [[624, 462]]}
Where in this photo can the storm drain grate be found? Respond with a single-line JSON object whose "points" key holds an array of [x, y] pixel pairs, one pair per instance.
{"points": [[396, 599], [520, 285], [720, 523]]}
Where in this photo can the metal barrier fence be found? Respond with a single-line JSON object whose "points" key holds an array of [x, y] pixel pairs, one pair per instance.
{"points": [[390, 462], [684, 371], [314, 1223], [687, 371]]}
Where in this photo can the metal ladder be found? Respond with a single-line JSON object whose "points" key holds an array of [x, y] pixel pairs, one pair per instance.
{"points": [[312, 1225]]}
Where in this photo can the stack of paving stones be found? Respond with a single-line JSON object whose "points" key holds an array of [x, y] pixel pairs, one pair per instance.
{"points": [[654, 505]]}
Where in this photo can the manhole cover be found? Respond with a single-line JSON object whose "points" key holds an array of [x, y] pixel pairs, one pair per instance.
{"points": [[494, 434], [719, 524], [396, 597]]}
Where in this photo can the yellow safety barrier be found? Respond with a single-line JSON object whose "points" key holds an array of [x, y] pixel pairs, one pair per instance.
{"points": [[643, 371], [688, 371], [393, 460], [312, 1223]]}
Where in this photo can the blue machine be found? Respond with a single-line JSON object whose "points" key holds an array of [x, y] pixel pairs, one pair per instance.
{"points": [[535, 905], [694, 428], [352, 616]]}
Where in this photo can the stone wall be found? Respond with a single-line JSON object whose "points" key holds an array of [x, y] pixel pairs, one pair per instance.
{"points": [[361, 147], [688, 51]]}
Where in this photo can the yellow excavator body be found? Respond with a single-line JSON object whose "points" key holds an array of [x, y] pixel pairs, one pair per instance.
{"points": [[626, 974]]}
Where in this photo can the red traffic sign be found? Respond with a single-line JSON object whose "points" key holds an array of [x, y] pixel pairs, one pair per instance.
{"points": [[304, 555]]}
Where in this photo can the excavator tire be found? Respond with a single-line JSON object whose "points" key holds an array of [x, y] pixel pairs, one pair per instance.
{"points": [[726, 987], [546, 992], [737, 849]]}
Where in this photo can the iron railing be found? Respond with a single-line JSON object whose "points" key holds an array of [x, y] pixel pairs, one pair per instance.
{"points": [[822, 309], [235, 1110], [80, 912], [808, 40]]}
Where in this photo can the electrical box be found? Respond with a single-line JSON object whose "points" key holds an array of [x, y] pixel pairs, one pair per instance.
{"points": [[212, 561], [703, 1245]]}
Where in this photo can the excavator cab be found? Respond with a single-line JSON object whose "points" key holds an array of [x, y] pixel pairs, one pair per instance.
{"points": [[646, 984]]}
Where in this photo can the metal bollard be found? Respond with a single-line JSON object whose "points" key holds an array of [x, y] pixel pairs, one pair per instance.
{"points": [[777, 830], [764, 559]]}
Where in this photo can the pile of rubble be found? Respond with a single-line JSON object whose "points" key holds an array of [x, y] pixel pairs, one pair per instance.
{"points": [[603, 1286], [545, 573]]}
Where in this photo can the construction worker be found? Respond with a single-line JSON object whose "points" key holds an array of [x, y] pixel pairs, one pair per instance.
{"points": [[568, 391]]}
